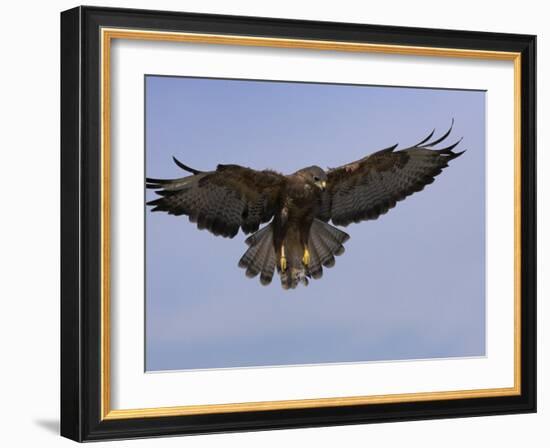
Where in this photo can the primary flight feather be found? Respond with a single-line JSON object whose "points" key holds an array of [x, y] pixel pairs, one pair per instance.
{"points": [[298, 242]]}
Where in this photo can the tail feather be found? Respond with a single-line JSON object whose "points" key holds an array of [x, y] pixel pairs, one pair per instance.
{"points": [[325, 242], [315, 264], [331, 245], [260, 256], [330, 233], [326, 255], [253, 239], [268, 268], [256, 264], [248, 257]]}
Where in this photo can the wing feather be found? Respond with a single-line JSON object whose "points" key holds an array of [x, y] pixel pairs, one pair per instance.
{"points": [[222, 201], [370, 187]]}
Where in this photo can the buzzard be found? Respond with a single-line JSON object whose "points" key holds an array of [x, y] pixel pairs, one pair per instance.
{"points": [[299, 241]]}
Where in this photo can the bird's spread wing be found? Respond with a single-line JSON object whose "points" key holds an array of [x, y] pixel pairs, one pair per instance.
{"points": [[371, 186], [221, 201]]}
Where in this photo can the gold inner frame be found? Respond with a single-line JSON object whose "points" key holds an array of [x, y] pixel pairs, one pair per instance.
{"points": [[107, 35]]}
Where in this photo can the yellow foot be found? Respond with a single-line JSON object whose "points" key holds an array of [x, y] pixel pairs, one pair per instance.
{"points": [[283, 259], [306, 257]]}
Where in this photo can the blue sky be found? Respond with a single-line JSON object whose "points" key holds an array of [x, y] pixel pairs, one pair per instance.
{"points": [[411, 285]]}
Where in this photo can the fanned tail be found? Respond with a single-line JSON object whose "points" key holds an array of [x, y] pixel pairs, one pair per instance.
{"points": [[260, 257], [325, 242]]}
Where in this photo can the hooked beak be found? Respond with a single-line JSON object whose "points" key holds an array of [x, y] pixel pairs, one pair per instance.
{"points": [[322, 184]]}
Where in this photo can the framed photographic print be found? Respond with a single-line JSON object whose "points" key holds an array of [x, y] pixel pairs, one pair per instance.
{"points": [[273, 223]]}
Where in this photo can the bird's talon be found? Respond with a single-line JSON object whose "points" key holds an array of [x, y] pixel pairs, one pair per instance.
{"points": [[306, 257], [283, 258]]}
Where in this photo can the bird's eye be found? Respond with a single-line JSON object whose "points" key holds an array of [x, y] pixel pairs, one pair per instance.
{"points": [[315, 178]]}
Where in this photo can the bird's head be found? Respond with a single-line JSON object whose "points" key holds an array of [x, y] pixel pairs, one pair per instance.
{"points": [[314, 175]]}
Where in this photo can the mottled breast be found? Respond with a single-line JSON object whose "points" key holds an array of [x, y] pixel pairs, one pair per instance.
{"points": [[301, 200]]}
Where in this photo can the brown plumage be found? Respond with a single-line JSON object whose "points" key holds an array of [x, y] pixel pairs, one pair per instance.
{"points": [[299, 242]]}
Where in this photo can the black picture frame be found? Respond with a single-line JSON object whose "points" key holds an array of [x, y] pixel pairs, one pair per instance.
{"points": [[81, 224]]}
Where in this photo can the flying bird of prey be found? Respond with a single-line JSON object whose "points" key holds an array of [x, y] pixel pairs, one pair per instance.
{"points": [[299, 241]]}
